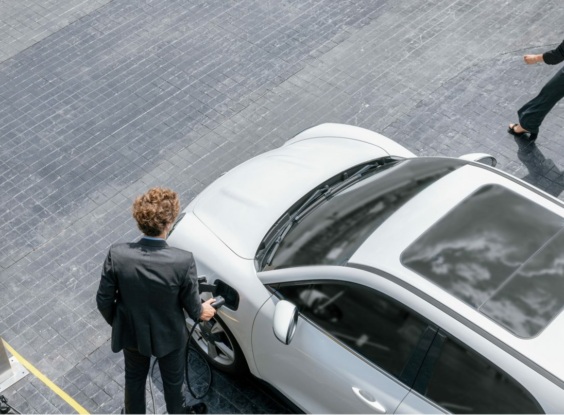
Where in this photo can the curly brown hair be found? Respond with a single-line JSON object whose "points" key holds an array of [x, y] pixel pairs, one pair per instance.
{"points": [[155, 209]]}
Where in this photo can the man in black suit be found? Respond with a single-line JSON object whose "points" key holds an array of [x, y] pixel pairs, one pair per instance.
{"points": [[143, 290]]}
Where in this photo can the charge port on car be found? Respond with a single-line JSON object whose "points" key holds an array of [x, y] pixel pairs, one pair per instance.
{"points": [[231, 296]]}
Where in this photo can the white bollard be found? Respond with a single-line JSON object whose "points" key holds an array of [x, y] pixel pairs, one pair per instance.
{"points": [[5, 366], [10, 369]]}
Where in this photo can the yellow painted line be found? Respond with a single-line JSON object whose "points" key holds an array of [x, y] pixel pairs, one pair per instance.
{"points": [[79, 409]]}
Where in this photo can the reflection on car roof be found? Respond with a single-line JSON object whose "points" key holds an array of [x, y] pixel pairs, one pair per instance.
{"points": [[501, 254]]}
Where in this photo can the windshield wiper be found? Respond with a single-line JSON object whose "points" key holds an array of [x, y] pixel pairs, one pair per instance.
{"points": [[356, 176], [351, 179], [274, 246], [311, 201], [295, 217]]}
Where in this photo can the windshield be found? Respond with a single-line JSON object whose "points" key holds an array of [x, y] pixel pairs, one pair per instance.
{"points": [[334, 229]]}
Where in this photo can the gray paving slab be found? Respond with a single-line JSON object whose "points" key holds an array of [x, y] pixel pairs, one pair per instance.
{"points": [[24, 23], [101, 100]]}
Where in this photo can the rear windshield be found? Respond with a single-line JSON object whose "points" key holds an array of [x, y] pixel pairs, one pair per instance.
{"points": [[501, 254]]}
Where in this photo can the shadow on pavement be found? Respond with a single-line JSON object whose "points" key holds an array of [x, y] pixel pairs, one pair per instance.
{"points": [[543, 173]]}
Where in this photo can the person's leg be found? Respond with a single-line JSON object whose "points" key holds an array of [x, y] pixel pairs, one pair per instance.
{"points": [[172, 374], [531, 115], [136, 370]]}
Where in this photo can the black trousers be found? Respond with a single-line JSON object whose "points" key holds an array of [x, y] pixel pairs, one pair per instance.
{"points": [[533, 112], [172, 373]]}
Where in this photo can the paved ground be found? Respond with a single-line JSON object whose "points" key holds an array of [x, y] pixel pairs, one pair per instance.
{"points": [[100, 100]]}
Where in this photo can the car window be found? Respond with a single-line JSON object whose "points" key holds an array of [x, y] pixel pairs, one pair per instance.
{"points": [[463, 381], [375, 326]]}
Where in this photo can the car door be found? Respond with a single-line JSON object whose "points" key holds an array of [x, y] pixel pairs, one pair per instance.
{"points": [[456, 378], [354, 350]]}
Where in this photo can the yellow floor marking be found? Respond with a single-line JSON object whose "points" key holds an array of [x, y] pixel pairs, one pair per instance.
{"points": [[46, 381]]}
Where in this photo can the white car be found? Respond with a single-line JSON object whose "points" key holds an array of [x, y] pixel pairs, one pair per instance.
{"points": [[360, 278]]}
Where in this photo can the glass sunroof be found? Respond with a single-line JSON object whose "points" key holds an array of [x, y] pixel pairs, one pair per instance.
{"points": [[501, 254]]}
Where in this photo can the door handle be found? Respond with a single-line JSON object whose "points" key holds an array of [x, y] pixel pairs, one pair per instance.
{"points": [[368, 399]]}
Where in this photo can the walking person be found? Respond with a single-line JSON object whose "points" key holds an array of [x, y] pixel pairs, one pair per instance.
{"points": [[533, 112], [144, 288]]}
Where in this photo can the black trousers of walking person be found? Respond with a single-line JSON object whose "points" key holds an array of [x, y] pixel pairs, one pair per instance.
{"points": [[172, 373], [531, 115]]}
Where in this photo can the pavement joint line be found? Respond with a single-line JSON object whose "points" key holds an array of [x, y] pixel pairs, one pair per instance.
{"points": [[32, 369]]}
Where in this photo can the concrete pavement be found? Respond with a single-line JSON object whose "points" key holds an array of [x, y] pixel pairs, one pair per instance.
{"points": [[102, 99]]}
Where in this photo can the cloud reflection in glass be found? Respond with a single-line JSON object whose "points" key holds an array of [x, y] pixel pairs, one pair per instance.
{"points": [[501, 254]]}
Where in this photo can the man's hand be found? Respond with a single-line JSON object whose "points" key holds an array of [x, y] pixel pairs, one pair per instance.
{"points": [[207, 310], [530, 59]]}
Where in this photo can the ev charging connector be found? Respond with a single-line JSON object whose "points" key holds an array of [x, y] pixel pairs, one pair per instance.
{"points": [[204, 287]]}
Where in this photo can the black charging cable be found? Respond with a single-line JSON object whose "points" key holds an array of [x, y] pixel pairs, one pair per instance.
{"points": [[186, 371], [5, 406], [189, 346], [219, 301]]}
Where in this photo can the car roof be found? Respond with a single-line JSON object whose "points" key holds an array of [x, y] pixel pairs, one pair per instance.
{"points": [[398, 244]]}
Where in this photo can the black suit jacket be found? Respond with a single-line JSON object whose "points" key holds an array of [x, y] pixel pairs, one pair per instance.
{"points": [[144, 288], [553, 57]]}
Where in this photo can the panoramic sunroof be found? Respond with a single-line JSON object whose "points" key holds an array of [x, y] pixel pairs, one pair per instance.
{"points": [[501, 254]]}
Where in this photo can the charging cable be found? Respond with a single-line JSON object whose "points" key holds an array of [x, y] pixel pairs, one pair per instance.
{"points": [[219, 301], [186, 371], [5, 406]]}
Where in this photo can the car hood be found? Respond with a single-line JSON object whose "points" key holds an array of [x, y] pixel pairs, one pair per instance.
{"points": [[242, 205]]}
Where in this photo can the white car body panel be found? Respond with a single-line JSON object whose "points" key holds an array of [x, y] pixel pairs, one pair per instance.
{"points": [[256, 193], [306, 370], [525, 375], [351, 132]]}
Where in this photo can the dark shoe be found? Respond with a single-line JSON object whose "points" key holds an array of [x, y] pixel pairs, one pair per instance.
{"points": [[198, 408], [511, 130]]}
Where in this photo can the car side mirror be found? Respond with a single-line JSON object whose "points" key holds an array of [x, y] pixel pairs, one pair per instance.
{"points": [[483, 158], [285, 321]]}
